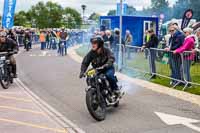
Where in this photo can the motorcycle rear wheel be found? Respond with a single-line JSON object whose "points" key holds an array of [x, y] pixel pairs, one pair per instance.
{"points": [[4, 78]]}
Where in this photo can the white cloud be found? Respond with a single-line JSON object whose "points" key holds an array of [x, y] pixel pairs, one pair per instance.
{"points": [[100, 6]]}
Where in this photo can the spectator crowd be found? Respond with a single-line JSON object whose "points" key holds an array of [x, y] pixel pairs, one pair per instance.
{"points": [[182, 48]]}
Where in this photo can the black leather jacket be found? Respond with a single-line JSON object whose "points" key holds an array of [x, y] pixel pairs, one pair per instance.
{"points": [[104, 59], [9, 45]]}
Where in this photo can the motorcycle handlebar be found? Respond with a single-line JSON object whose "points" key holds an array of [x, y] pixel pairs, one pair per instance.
{"points": [[7, 53], [3, 53]]}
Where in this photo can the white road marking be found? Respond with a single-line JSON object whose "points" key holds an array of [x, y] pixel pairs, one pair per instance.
{"points": [[44, 54], [53, 113], [32, 55], [177, 120]]}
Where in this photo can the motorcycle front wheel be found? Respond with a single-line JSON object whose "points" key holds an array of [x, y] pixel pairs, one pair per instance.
{"points": [[96, 108], [4, 78]]}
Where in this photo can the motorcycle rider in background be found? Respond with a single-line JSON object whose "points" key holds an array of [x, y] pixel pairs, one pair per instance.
{"points": [[9, 45], [27, 39], [101, 58], [11, 34]]}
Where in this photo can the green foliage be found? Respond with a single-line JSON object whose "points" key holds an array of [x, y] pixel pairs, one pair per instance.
{"points": [[162, 7], [112, 13], [131, 10], [182, 5], [48, 15], [94, 16], [74, 17], [159, 5], [21, 19]]}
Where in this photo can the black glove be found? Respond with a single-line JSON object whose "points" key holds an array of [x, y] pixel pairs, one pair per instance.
{"points": [[81, 75]]}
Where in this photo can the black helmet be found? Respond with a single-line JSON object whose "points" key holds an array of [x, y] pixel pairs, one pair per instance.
{"points": [[98, 40]]}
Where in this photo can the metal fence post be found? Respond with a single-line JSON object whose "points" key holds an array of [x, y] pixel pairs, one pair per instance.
{"points": [[150, 61], [120, 58]]}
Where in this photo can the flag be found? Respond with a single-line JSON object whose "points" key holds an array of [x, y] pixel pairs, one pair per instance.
{"points": [[8, 14], [186, 18]]}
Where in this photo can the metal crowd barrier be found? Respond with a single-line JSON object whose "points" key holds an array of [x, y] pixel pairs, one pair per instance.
{"points": [[191, 67], [167, 65], [131, 56], [20, 39], [179, 68]]}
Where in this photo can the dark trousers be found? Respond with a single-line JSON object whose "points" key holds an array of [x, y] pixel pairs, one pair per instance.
{"points": [[175, 65], [187, 65], [152, 61], [43, 45], [110, 74], [48, 45], [62, 49]]}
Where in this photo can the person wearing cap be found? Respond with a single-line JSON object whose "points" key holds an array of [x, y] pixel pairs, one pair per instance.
{"points": [[186, 48], [9, 45]]}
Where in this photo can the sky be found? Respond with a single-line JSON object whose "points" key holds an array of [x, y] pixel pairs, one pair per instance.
{"points": [[99, 6]]}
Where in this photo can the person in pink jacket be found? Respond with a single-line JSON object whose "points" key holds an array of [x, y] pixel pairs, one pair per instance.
{"points": [[186, 49]]}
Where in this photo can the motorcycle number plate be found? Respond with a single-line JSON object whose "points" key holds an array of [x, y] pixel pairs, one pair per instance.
{"points": [[91, 72]]}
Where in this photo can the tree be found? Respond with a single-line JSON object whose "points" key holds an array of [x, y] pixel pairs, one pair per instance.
{"points": [[46, 15], [49, 15], [20, 19], [74, 17], [179, 8], [195, 4], [94, 16], [112, 13], [182, 5], [131, 10], [161, 7]]}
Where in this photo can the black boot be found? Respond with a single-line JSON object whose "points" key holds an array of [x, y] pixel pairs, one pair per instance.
{"points": [[14, 70]]}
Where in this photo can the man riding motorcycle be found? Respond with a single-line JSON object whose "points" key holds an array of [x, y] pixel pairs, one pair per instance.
{"points": [[101, 58], [9, 45]]}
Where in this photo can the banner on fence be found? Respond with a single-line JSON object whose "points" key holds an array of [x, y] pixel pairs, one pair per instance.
{"points": [[8, 14]]}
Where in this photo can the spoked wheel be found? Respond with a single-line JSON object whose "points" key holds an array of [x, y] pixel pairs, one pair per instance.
{"points": [[96, 108], [4, 78]]}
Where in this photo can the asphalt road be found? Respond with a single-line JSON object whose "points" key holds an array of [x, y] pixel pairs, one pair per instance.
{"points": [[55, 80]]}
